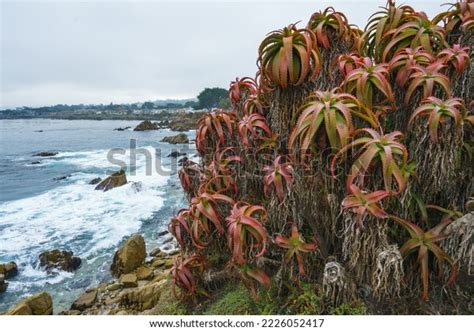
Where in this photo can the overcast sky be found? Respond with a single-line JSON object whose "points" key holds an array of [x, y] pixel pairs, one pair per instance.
{"points": [[111, 51]]}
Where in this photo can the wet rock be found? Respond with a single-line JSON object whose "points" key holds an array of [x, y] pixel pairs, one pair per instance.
{"points": [[95, 181], [115, 180], [180, 138], [129, 280], [38, 130], [123, 129], [61, 178], [129, 257], [85, 301], [36, 162], [155, 252], [39, 304], [144, 273], [182, 160], [62, 260], [45, 154], [3, 284], [9, 269], [146, 126], [162, 233], [176, 154]]}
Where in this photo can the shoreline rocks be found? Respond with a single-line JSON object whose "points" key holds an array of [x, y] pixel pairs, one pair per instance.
{"points": [[180, 138], [123, 129], [147, 126], [59, 260], [129, 257], [95, 181], [115, 180], [38, 304]]}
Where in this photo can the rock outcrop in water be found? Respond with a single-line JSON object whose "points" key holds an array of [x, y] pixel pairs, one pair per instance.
{"points": [[115, 180], [59, 260], [180, 138], [7, 271], [38, 304], [129, 257], [146, 126], [45, 154], [95, 181]]}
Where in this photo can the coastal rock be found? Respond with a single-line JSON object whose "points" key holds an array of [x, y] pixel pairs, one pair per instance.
{"points": [[183, 124], [95, 181], [129, 257], [162, 233], [3, 283], [176, 154], [144, 297], [146, 126], [144, 273], [85, 301], [61, 178], [36, 162], [123, 129], [180, 138], [115, 180], [9, 269], [45, 154], [38, 304], [155, 252], [62, 260], [129, 280]]}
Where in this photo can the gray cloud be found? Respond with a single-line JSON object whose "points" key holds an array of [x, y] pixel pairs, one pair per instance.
{"points": [[98, 52]]}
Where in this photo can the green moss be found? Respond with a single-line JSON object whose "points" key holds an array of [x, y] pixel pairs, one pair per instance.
{"points": [[304, 300], [353, 308], [169, 305], [234, 301]]}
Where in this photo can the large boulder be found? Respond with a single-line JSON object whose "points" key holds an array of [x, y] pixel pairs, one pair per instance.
{"points": [[60, 260], [146, 125], [180, 138], [85, 301], [115, 180], [183, 124], [38, 304], [9, 269], [129, 257]]}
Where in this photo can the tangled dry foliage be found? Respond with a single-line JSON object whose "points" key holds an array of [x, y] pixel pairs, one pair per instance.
{"points": [[350, 151]]}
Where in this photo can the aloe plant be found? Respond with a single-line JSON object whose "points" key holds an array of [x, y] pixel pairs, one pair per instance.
{"points": [[329, 114], [254, 125], [212, 127], [404, 61], [295, 247], [456, 56], [204, 212], [238, 86], [185, 273], [361, 203], [278, 175], [245, 229], [367, 79], [329, 20], [289, 56], [179, 225], [424, 243], [438, 112], [386, 148]]}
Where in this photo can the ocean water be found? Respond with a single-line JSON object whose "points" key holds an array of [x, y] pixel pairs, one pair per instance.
{"points": [[39, 212]]}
